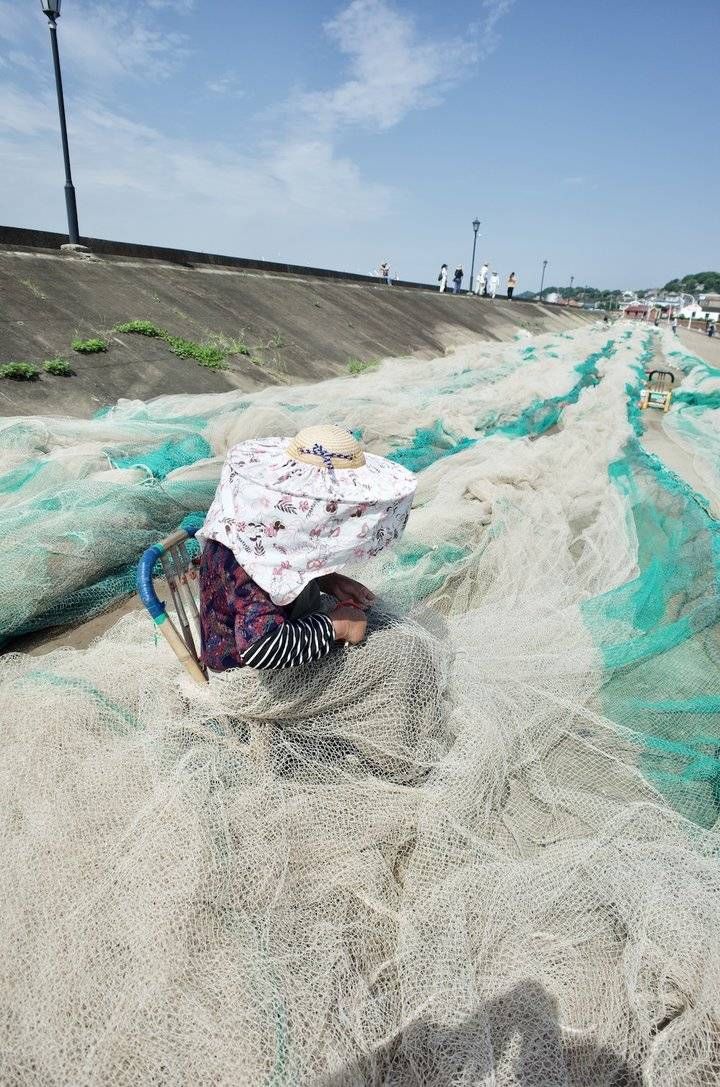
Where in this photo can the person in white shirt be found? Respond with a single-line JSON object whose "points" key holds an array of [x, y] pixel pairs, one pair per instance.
{"points": [[481, 279], [442, 278], [494, 280]]}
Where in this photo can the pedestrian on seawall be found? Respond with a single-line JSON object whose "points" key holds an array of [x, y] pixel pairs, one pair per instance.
{"points": [[481, 285], [442, 278], [457, 279], [494, 280], [511, 285]]}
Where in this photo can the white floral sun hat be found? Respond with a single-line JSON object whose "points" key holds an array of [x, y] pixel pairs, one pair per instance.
{"points": [[292, 510]]}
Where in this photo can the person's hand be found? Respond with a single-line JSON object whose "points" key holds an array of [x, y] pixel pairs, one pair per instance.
{"points": [[349, 624], [347, 591]]}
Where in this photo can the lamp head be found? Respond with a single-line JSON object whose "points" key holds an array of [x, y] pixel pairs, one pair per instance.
{"points": [[51, 8], [476, 225]]}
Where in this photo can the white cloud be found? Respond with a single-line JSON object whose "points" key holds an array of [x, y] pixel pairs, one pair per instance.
{"points": [[392, 71], [182, 6], [226, 85], [135, 174], [575, 180], [486, 30], [101, 40]]}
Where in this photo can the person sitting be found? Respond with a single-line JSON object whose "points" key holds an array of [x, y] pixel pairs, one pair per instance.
{"points": [[287, 517]]}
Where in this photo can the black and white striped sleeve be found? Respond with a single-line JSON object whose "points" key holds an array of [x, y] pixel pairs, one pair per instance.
{"points": [[298, 641]]}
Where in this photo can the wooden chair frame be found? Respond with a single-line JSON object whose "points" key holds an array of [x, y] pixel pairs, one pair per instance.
{"points": [[657, 392], [180, 570]]}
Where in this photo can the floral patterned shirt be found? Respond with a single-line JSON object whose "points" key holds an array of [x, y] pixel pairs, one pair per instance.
{"points": [[241, 625]]}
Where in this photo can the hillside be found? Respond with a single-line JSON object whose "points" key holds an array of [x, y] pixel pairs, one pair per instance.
{"points": [[699, 282]]}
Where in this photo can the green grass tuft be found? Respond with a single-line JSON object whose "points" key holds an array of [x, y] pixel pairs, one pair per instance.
{"points": [[211, 355], [357, 366], [229, 345], [58, 367], [142, 328], [20, 371], [213, 358], [89, 347]]}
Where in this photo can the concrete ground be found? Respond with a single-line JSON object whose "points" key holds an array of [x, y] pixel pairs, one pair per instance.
{"points": [[295, 328], [699, 343]]}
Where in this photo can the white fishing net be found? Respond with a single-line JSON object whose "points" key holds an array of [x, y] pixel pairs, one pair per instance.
{"points": [[479, 849]]}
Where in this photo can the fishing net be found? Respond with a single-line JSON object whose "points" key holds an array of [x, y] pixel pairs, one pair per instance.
{"points": [[478, 849]]}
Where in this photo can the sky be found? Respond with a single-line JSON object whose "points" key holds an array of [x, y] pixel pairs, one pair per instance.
{"points": [[341, 133]]}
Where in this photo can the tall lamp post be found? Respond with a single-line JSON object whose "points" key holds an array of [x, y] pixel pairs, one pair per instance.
{"points": [[476, 227], [542, 281], [51, 8]]}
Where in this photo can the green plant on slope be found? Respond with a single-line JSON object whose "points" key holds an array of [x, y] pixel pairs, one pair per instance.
{"points": [[142, 328], [210, 355], [58, 367], [20, 371], [206, 354], [357, 366], [89, 347], [229, 345]]}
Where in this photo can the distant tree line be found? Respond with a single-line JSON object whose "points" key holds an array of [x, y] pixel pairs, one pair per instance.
{"points": [[699, 283], [591, 295]]}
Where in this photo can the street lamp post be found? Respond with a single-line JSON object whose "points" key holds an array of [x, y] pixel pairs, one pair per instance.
{"points": [[542, 281], [476, 227], [51, 8]]}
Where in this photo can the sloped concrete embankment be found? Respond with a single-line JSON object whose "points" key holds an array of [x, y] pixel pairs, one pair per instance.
{"points": [[294, 328]]}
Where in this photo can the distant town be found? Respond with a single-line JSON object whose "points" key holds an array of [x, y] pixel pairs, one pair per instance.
{"points": [[693, 297]]}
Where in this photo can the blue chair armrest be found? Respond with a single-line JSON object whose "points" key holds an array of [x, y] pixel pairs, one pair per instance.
{"points": [[144, 582]]}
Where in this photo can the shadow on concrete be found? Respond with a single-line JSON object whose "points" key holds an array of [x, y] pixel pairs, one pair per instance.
{"points": [[519, 1029]]}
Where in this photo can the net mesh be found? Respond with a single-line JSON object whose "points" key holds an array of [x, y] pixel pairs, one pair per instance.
{"points": [[480, 848]]}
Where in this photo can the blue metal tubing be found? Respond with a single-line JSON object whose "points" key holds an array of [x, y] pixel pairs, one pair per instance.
{"points": [[144, 581]]}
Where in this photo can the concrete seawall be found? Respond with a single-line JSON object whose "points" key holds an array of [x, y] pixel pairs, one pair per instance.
{"points": [[296, 327]]}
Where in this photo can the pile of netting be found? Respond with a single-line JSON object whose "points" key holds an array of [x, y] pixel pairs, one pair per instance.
{"points": [[478, 849]]}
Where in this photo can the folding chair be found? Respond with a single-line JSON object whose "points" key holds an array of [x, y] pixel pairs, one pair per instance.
{"points": [[180, 570], [657, 392]]}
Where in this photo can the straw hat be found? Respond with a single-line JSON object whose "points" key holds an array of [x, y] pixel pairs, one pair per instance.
{"points": [[327, 447]]}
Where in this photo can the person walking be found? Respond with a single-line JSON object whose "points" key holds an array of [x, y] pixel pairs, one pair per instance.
{"points": [[457, 279], [385, 272], [711, 329], [673, 326], [511, 285], [442, 278], [492, 289], [481, 281]]}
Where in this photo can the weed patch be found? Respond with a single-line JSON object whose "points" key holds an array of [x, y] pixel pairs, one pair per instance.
{"points": [[141, 328], [357, 366], [89, 347], [20, 371], [58, 367]]}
